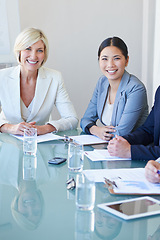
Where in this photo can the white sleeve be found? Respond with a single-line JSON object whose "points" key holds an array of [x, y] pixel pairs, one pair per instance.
{"points": [[69, 119]]}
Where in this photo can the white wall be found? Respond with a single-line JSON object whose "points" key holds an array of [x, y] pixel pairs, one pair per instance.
{"points": [[75, 29], [9, 29], [156, 70]]}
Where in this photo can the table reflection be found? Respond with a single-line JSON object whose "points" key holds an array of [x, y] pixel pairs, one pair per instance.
{"points": [[35, 203], [155, 235], [26, 174], [28, 205], [106, 226], [84, 224]]}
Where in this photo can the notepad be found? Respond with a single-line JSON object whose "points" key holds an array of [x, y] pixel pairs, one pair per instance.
{"points": [[42, 138], [102, 155], [87, 139], [128, 180]]}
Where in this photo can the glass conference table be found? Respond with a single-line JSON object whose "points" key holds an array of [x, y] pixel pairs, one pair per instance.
{"points": [[43, 208]]}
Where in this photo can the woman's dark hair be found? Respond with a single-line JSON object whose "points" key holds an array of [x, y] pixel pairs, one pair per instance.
{"points": [[116, 42]]}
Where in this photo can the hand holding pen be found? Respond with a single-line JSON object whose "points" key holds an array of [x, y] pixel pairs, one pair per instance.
{"points": [[152, 171]]}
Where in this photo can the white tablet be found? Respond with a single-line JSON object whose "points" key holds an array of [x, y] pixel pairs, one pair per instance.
{"points": [[133, 208]]}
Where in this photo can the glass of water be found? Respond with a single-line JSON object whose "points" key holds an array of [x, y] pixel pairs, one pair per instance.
{"points": [[85, 193], [75, 157], [30, 141]]}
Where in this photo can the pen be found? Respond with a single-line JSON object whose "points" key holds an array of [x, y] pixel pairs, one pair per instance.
{"points": [[110, 183], [158, 160], [67, 139]]}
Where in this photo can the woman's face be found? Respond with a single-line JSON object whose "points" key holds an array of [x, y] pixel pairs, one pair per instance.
{"points": [[29, 205], [112, 63], [32, 57]]}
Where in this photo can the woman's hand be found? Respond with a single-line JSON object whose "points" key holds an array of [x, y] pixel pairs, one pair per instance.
{"points": [[151, 171], [17, 129], [105, 133], [43, 129]]}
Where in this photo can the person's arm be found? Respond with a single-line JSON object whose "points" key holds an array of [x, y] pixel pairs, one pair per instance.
{"points": [[91, 114], [17, 129], [69, 119], [145, 140], [141, 140], [43, 129], [94, 110], [124, 148]]}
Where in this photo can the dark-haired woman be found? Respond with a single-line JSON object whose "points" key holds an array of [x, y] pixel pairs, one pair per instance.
{"points": [[119, 100]]}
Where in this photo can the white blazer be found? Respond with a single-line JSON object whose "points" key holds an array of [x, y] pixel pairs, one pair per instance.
{"points": [[49, 92]]}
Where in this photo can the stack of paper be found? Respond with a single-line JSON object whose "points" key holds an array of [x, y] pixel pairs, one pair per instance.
{"points": [[42, 138], [102, 155], [128, 180], [87, 139]]}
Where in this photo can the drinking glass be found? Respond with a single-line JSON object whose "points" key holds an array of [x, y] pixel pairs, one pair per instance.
{"points": [[30, 141], [75, 157]]}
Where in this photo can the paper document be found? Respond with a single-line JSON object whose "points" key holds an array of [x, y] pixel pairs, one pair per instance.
{"points": [[42, 138], [128, 180], [102, 155], [87, 139]]}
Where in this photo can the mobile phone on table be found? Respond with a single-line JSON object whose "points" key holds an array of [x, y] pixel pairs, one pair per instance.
{"points": [[57, 160]]}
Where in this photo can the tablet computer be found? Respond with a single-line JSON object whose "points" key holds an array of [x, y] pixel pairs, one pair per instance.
{"points": [[133, 208]]}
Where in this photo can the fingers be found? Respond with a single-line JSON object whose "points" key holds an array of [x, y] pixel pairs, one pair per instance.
{"points": [[152, 177], [24, 126], [116, 140], [32, 123], [107, 133], [151, 171], [152, 166], [109, 129], [107, 136]]}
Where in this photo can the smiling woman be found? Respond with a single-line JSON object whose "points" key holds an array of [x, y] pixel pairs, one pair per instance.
{"points": [[30, 91], [119, 100]]}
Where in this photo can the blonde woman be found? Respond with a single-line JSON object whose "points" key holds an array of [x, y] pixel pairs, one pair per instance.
{"points": [[29, 91]]}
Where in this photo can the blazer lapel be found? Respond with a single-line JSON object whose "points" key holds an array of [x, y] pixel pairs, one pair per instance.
{"points": [[42, 86], [121, 88], [14, 91], [102, 99]]}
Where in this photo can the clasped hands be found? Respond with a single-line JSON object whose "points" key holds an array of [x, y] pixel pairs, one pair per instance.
{"points": [[19, 128], [119, 147], [105, 132]]}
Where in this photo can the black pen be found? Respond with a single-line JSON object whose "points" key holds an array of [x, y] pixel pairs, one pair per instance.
{"points": [[110, 183]]}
